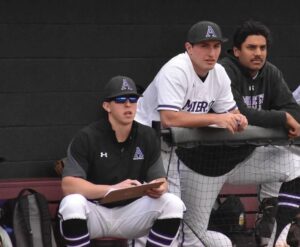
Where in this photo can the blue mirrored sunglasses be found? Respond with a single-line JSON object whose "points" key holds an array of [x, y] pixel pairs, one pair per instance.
{"points": [[123, 99]]}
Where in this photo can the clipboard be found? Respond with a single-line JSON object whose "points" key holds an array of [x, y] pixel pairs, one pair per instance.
{"points": [[128, 193]]}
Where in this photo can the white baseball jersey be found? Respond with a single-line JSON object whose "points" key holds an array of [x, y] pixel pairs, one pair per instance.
{"points": [[177, 87]]}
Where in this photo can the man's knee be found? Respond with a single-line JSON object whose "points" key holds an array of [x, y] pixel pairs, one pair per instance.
{"points": [[173, 206], [73, 206]]}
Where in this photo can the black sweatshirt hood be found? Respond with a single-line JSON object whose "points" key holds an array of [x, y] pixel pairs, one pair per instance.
{"points": [[243, 69]]}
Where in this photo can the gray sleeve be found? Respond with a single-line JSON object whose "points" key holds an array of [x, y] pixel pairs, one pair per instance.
{"points": [[157, 170], [72, 167]]}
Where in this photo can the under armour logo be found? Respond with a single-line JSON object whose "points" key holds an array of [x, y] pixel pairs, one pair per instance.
{"points": [[138, 155], [102, 154], [125, 85], [210, 33]]}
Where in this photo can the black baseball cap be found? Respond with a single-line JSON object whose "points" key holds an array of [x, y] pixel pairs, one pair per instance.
{"points": [[205, 31], [119, 86]]}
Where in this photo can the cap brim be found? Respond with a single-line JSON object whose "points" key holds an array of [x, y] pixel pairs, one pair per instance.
{"points": [[223, 40]]}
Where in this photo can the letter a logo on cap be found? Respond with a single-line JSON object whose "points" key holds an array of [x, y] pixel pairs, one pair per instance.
{"points": [[125, 85], [210, 32]]}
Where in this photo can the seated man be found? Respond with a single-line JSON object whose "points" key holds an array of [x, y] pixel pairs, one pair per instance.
{"points": [[115, 153]]}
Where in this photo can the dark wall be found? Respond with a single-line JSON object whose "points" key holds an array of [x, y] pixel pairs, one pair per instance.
{"points": [[55, 57]]}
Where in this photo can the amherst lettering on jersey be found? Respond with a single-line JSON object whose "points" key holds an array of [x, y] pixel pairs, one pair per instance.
{"points": [[255, 101], [197, 106]]}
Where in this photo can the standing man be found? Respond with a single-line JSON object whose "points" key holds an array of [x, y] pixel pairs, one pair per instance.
{"points": [[116, 153], [183, 94], [264, 98], [188, 87]]}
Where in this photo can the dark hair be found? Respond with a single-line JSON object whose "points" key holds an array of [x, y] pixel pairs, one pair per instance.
{"points": [[250, 27]]}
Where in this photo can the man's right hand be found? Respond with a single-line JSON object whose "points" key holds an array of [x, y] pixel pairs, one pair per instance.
{"points": [[126, 184], [234, 122], [292, 125]]}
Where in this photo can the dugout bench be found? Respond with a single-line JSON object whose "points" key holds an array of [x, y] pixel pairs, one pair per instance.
{"points": [[51, 189]]}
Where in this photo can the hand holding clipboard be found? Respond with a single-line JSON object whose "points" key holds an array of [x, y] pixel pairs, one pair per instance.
{"points": [[115, 195]]}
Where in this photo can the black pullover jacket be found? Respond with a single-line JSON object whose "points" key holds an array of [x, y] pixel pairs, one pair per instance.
{"points": [[263, 99]]}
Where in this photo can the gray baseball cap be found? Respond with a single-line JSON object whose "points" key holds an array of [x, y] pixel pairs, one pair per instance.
{"points": [[203, 31], [119, 86]]}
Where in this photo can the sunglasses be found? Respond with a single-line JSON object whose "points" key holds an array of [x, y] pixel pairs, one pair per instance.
{"points": [[123, 99]]}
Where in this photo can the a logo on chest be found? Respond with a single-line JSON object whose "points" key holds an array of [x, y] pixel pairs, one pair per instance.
{"points": [[197, 106], [103, 155], [138, 155]]}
